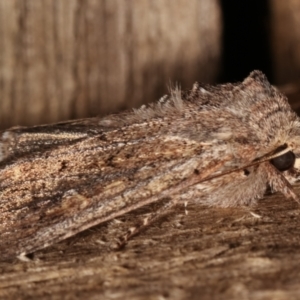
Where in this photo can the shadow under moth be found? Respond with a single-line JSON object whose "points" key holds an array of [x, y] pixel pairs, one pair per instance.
{"points": [[218, 145]]}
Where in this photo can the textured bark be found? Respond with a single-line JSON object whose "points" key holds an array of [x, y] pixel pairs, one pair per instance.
{"points": [[73, 59], [210, 253], [285, 40]]}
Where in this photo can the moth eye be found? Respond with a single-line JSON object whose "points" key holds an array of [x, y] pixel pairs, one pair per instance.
{"points": [[284, 162]]}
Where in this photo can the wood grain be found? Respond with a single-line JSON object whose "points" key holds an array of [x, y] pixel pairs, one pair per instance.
{"points": [[210, 253], [284, 39], [63, 60]]}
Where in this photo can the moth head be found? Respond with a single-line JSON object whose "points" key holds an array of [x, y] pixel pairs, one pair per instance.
{"points": [[286, 159]]}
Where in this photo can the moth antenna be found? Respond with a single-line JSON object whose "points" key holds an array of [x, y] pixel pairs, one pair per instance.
{"points": [[257, 162], [287, 149]]}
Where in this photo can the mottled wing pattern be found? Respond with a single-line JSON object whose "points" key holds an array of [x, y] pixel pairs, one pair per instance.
{"points": [[56, 191], [57, 180]]}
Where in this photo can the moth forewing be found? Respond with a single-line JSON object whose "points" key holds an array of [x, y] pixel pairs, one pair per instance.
{"points": [[213, 145]]}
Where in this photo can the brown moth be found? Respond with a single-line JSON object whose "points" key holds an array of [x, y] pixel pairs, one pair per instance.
{"points": [[218, 145]]}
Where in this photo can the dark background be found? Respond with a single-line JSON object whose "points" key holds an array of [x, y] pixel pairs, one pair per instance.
{"points": [[246, 44]]}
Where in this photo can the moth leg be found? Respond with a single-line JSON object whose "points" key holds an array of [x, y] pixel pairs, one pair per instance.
{"points": [[192, 180], [255, 215], [185, 208], [24, 257], [279, 183], [150, 219]]}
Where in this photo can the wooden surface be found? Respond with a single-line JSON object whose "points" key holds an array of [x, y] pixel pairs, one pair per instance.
{"points": [[71, 59], [292, 91], [284, 39], [211, 253]]}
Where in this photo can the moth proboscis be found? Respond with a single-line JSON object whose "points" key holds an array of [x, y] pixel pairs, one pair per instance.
{"points": [[220, 145]]}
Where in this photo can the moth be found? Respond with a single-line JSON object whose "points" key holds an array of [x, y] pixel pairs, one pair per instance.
{"points": [[220, 145]]}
